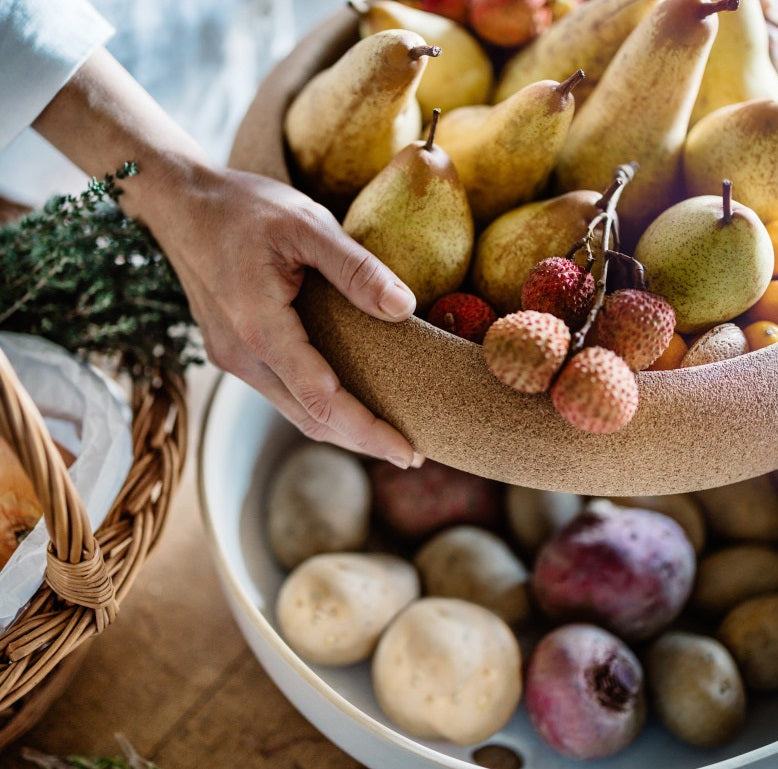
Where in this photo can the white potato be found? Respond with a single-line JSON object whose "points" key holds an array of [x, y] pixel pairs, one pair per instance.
{"points": [[318, 502], [448, 669], [535, 514], [474, 564], [333, 607]]}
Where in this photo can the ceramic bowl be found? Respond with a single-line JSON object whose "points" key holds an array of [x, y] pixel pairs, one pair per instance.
{"points": [[242, 442], [694, 428]]}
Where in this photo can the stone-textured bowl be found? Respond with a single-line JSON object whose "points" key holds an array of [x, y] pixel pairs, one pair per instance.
{"points": [[694, 428]]}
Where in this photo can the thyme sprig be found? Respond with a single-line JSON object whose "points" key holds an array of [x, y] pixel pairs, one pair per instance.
{"points": [[82, 274], [131, 759]]}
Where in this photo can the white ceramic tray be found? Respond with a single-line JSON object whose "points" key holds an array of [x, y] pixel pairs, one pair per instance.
{"points": [[242, 441]]}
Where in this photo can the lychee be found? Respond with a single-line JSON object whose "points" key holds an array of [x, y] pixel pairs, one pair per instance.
{"points": [[637, 325], [462, 314], [560, 286], [525, 349], [596, 391]]}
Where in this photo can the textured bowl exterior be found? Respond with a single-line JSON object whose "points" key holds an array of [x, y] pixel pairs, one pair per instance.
{"points": [[695, 428]]}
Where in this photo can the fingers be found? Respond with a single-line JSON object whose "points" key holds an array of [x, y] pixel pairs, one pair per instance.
{"points": [[361, 277], [261, 378]]}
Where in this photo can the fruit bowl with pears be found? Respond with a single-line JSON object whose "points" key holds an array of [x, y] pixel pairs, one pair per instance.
{"points": [[539, 139]]}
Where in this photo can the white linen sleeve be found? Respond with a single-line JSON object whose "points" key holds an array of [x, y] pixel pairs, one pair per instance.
{"points": [[42, 44]]}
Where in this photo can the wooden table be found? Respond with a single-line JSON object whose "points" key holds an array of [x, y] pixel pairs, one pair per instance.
{"points": [[173, 674]]}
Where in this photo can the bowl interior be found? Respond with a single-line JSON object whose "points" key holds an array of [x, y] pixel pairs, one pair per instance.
{"points": [[243, 440]]}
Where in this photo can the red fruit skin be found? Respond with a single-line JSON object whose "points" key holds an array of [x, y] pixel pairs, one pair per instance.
{"points": [[462, 314], [623, 321], [417, 502], [627, 569], [596, 391], [456, 10], [508, 23], [561, 287], [584, 692]]}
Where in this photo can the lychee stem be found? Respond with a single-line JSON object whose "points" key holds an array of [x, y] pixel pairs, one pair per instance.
{"points": [[566, 86], [431, 133], [608, 202], [726, 201], [706, 9], [417, 51]]}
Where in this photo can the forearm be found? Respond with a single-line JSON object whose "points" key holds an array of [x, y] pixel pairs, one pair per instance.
{"points": [[103, 117]]}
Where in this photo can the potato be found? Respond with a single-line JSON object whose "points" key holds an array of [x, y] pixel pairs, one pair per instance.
{"points": [[729, 576], [318, 502], [750, 632], [684, 509], [448, 669], [419, 501], [333, 607], [534, 514], [696, 688], [476, 565], [744, 510]]}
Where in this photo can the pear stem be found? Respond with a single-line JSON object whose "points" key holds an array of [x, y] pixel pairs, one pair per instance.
{"points": [[566, 86], [431, 134], [357, 5], [726, 197], [608, 218], [706, 9], [424, 50]]}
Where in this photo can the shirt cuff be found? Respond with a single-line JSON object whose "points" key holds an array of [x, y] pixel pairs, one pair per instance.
{"points": [[42, 44]]}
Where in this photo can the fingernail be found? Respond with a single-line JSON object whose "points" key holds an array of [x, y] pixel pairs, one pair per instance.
{"points": [[400, 462], [418, 460], [397, 301]]}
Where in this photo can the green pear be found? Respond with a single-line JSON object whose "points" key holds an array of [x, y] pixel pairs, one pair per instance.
{"points": [[414, 216], [739, 67], [587, 37], [516, 241], [350, 119], [463, 74], [739, 141], [640, 110], [504, 153], [709, 256]]}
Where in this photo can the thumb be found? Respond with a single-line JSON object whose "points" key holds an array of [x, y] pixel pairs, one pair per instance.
{"points": [[365, 280]]}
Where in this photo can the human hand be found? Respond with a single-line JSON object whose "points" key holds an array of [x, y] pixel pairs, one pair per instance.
{"points": [[240, 244]]}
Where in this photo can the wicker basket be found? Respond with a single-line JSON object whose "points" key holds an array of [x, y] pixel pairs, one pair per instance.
{"points": [[87, 575]]}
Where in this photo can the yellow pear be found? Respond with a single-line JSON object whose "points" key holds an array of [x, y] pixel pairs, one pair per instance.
{"points": [[516, 241], [414, 216], [739, 142], [350, 119], [462, 75], [504, 153], [739, 67], [709, 256], [640, 110], [585, 38]]}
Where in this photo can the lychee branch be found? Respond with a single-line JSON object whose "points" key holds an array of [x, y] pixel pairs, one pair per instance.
{"points": [[608, 219]]}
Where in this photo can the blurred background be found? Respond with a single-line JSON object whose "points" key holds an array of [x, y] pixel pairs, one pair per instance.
{"points": [[200, 59]]}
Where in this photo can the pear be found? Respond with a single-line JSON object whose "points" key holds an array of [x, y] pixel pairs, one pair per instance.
{"points": [[709, 256], [504, 153], [350, 119], [516, 241], [586, 38], [739, 67], [640, 110], [739, 141], [462, 75], [414, 216]]}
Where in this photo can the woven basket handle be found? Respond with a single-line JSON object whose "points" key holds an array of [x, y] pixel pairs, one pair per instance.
{"points": [[75, 569]]}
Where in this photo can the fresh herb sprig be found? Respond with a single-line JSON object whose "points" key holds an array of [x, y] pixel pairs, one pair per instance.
{"points": [[82, 274], [131, 759]]}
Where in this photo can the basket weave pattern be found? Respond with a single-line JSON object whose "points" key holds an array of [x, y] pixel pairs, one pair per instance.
{"points": [[87, 575]]}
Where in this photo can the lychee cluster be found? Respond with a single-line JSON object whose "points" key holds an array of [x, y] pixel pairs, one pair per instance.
{"points": [[590, 376]]}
